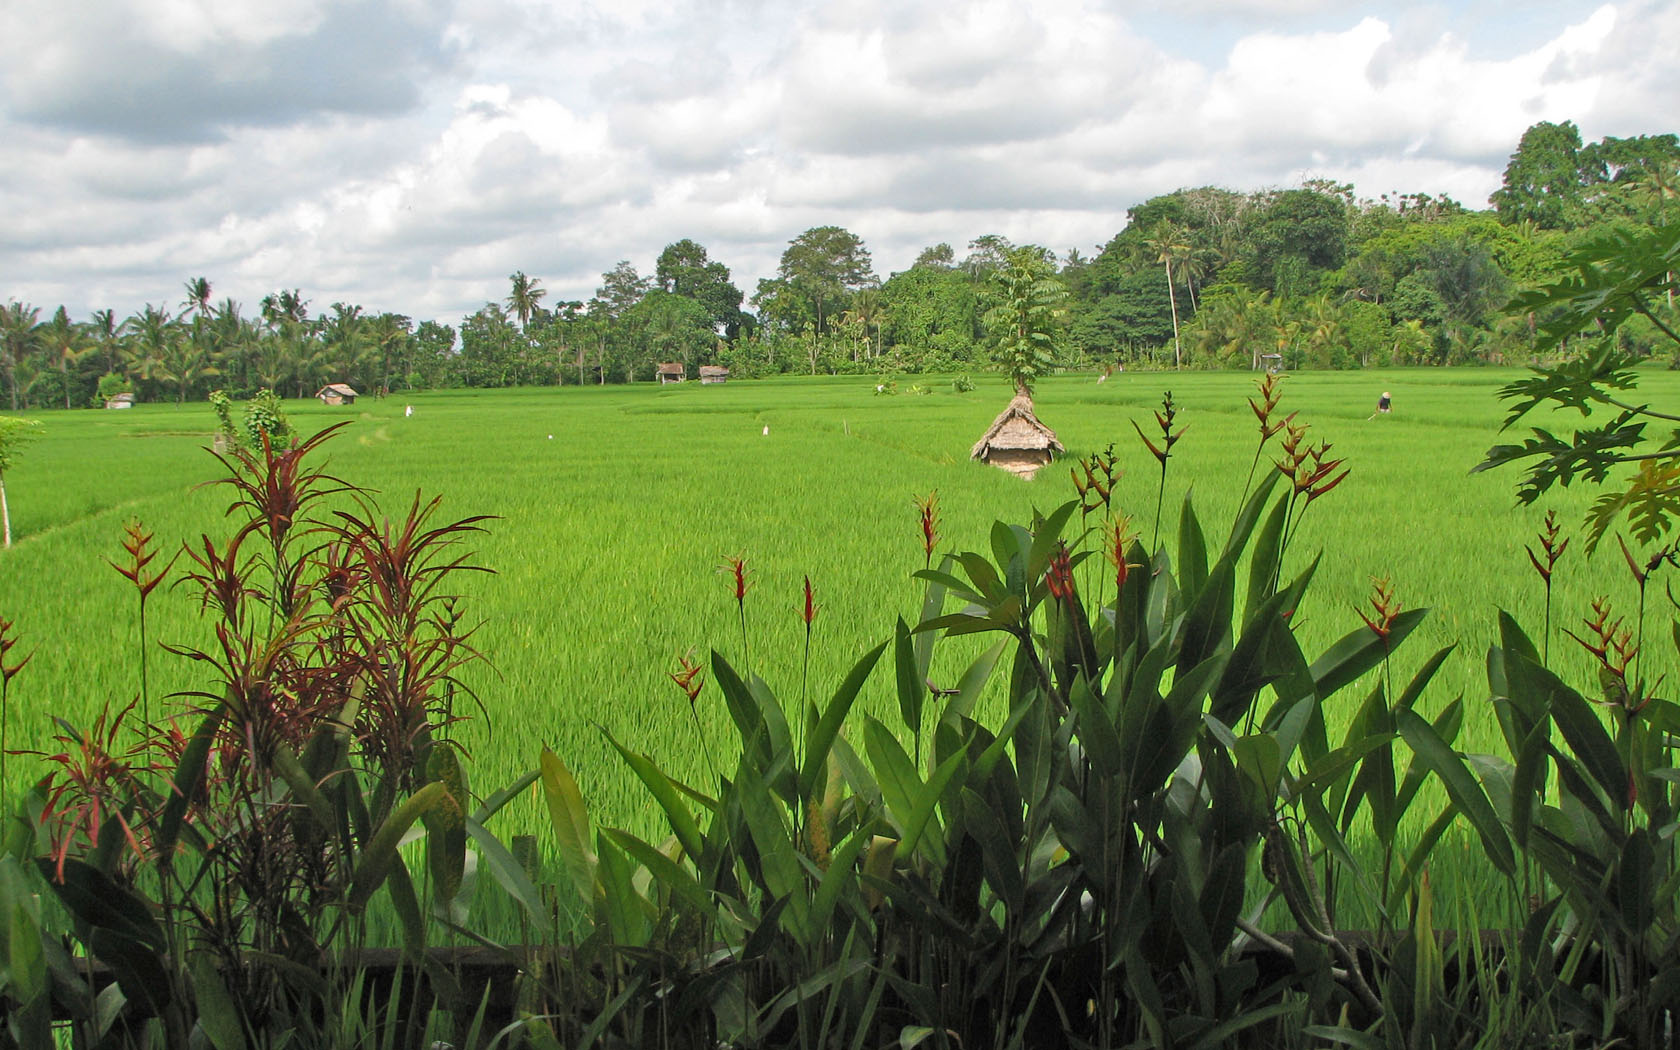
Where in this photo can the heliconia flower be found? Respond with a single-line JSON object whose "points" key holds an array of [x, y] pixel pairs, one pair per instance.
{"points": [[1164, 417], [1117, 540], [8, 671], [809, 613], [736, 567], [1385, 606], [1641, 573], [1059, 576], [1611, 644], [928, 511], [690, 679], [137, 542], [1551, 545]]}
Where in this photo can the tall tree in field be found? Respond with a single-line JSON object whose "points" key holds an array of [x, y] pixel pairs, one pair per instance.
{"points": [[66, 347], [106, 333], [1544, 181], [19, 324], [1027, 320], [13, 433], [819, 271], [684, 269], [523, 299], [1168, 245]]}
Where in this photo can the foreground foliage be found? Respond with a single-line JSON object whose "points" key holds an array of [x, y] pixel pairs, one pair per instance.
{"points": [[1160, 843]]}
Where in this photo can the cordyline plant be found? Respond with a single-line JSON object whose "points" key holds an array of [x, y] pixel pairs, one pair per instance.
{"points": [[221, 864]]}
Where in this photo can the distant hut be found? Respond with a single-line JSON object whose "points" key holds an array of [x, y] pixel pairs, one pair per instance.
{"points": [[1016, 441], [714, 374], [336, 394], [120, 401], [671, 372]]}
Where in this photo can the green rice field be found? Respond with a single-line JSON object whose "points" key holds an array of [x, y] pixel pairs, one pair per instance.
{"points": [[615, 508]]}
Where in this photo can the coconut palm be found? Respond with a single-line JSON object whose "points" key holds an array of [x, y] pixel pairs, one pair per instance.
{"points": [[1168, 244], [198, 296], [19, 332], [66, 346], [106, 334], [522, 301]]}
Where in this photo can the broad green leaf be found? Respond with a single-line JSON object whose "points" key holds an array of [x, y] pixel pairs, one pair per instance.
{"points": [[375, 862], [446, 826], [508, 872], [665, 793], [912, 690], [1192, 548], [927, 799], [820, 738], [570, 822], [1359, 651], [668, 873], [218, 1017], [1462, 788]]}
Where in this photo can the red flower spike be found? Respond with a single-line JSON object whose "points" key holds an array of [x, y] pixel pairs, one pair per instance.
{"points": [[928, 512], [736, 567], [1059, 576], [809, 613], [690, 679]]}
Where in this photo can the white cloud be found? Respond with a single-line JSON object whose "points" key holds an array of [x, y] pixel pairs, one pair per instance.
{"points": [[409, 155]]}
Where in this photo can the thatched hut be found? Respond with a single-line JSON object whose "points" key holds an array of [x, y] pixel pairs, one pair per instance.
{"points": [[670, 372], [1016, 441], [336, 394], [714, 374], [120, 401]]}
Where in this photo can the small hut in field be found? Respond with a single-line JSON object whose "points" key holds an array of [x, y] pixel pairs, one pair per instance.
{"points": [[713, 374], [1016, 441], [336, 394], [120, 401], [670, 372]]}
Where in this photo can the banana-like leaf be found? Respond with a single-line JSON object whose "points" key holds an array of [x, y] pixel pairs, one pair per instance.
{"points": [[819, 739], [446, 826], [1192, 548], [678, 880], [1466, 794], [374, 864], [571, 824], [927, 799], [218, 1017], [508, 872], [912, 688], [665, 793], [1359, 651]]}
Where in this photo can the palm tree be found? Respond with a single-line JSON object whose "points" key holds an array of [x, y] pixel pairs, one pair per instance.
{"points": [[154, 330], [65, 345], [344, 338], [1168, 244], [198, 296], [527, 292], [106, 333], [19, 332]]}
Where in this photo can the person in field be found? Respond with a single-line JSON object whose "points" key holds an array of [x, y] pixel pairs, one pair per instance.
{"points": [[1383, 406]]}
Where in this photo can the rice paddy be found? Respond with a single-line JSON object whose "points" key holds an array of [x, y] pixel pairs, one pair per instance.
{"points": [[615, 508]]}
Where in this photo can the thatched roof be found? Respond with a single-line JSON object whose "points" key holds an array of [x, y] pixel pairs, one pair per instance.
{"points": [[1016, 428], [340, 389], [670, 368]]}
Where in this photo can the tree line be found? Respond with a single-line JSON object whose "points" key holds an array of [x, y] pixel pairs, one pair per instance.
{"points": [[1313, 276]]}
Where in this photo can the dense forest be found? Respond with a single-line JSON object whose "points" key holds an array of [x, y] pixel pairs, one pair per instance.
{"points": [[1308, 277]]}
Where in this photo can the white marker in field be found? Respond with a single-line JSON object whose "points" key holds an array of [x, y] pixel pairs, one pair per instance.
{"points": [[766, 431], [408, 410], [551, 437]]}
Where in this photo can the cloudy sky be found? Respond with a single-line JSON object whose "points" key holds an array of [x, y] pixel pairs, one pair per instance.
{"points": [[408, 155]]}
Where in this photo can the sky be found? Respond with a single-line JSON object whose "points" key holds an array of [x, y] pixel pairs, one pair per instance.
{"points": [[409, 155]]}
